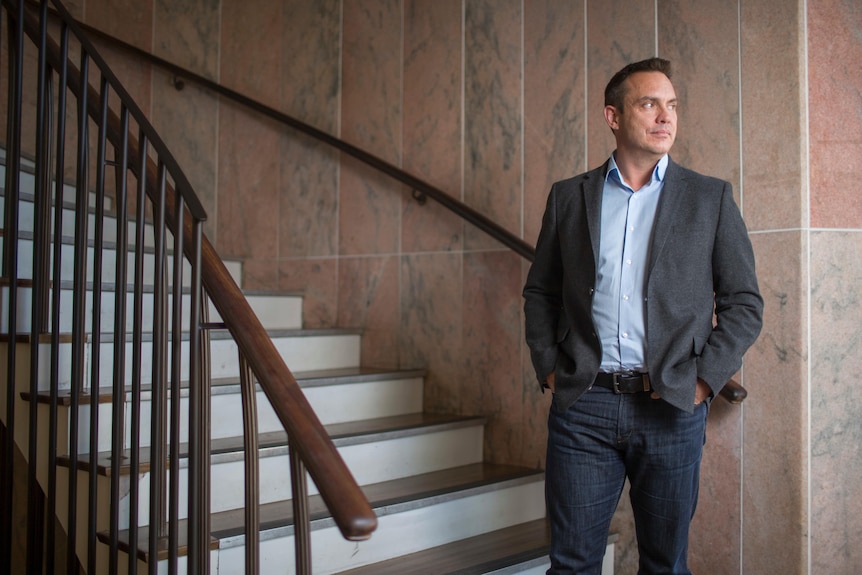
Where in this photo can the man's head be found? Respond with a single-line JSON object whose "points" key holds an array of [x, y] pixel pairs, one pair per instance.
{"points": [[640, 108], [615, 90]]}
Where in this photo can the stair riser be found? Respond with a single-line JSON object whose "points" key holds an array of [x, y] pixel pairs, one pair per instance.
{"points": [[28, 185], [331, 403], [275, 313], [109, 258], [400, 533], [300, 352], [27, 218], [380, 461], [106, 317]]}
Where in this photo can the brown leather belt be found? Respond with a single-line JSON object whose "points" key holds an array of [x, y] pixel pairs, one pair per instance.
{"points": [[625, 382]]}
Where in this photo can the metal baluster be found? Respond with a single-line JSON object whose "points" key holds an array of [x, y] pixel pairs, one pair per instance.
{"points": [[10, 270], [199, 421], [55, 298], [79, 334], [137, 357], [252, 468], [118, 402], [158, 526], [301, 517], [175, 382]]}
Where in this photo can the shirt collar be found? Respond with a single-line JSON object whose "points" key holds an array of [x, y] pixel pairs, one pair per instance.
{"points": [[657, 174]]}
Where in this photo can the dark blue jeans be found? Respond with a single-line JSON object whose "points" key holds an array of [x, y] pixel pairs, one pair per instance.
{"points": [[592, 448]]}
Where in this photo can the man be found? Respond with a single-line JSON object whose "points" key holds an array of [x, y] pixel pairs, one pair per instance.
{"points": [[640, 304]]}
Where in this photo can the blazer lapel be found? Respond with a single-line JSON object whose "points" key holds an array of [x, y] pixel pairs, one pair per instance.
{"points": [[674, 186], [593, 187]]}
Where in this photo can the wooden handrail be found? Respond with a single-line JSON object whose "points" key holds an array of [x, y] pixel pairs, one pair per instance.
{"points": [[347, 503]]}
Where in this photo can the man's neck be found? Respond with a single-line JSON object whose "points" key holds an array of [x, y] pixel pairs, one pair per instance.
{"points": [[636, 171]]}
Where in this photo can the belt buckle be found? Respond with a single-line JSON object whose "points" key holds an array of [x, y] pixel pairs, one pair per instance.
{"points": [[616, 377], [615, 381]]}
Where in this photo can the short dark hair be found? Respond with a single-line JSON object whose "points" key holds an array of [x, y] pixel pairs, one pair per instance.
{"points": [[615, 92]]}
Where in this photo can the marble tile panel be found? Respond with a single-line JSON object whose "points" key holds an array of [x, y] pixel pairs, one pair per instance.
{"points": [[311, 45], [183, 119], [718, 516], [248, 180], [493, 137], [369, 210], [432, 120], [773, 131], [836, 402], [431, 334], [554, 96], [75, 8], [492, 337], [368, 289], [130, 20], [835, 112], [317, 278], [371, 76], [261, 274], [187, 34], [618, 32], [250, 51], [308, 198], [701, 40], [309, 170], [774, 458], [134, 74], [370, 204]]}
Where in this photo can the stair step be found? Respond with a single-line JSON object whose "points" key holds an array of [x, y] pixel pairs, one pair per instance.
{"points": [[521, 549], [276, 311], [388, 499], [375, 450], [519, 545], [342, 435], [301, 349], [109, 257], [431, 510]]}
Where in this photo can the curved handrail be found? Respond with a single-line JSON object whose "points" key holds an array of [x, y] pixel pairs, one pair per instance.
{"points": [[347, 503]]}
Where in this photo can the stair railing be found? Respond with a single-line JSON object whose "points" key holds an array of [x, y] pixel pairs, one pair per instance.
{"points": [[149, 186], [733, 392]]}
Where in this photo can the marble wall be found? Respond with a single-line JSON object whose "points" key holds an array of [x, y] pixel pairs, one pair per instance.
{"points": [[492, 100]]}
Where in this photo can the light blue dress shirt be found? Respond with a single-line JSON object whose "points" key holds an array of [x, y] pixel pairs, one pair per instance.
{"points": [[619, 302]]}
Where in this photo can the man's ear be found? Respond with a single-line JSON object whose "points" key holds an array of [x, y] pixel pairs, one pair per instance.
{"points": [[611, 117]]}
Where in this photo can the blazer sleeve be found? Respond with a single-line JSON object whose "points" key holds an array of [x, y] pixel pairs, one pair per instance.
{"points": [[543, 294], [738, 303]]}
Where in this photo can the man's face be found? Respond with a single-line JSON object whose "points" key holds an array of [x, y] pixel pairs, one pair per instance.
{"points": [[646, 126]]}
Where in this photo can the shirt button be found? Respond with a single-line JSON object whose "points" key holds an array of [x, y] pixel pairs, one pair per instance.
{"points": [[628, 262], [625, 335], [625, 298]]}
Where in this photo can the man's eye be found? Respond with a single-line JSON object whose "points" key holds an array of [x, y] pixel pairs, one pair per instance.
{"points": [[648, 105]]}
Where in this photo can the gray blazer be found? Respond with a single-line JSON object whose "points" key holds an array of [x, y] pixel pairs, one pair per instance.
{"points": [[700, 262]]}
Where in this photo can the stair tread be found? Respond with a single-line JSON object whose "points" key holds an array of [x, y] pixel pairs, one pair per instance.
{"points": [[385, 498], [341, 433], [471, 556], [219, 334], [314, 378]]}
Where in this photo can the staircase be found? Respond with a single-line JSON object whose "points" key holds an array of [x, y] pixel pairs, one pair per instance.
{"points": [[440, 508]]}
